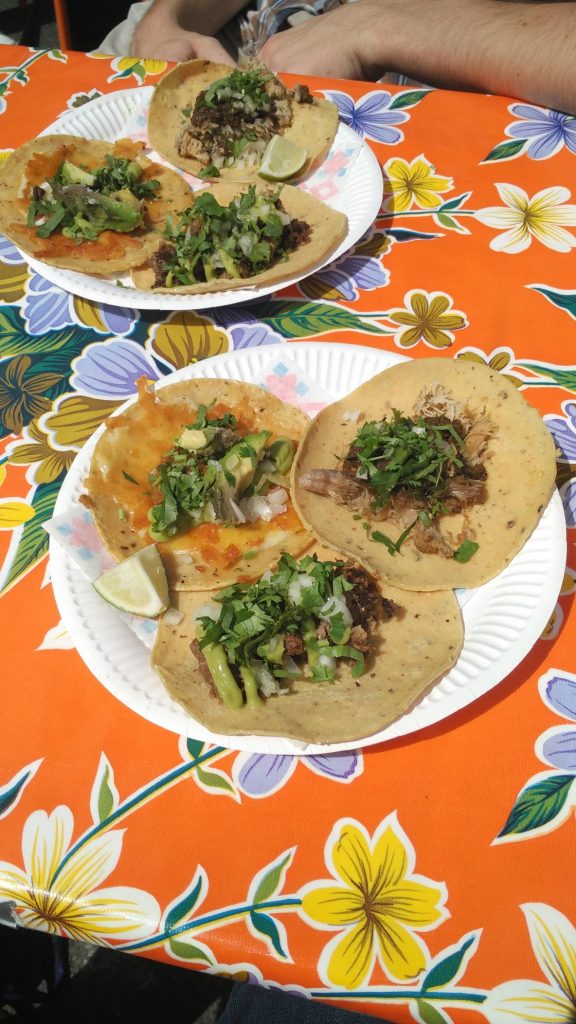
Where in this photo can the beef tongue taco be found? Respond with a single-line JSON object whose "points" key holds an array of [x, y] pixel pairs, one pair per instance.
{"points": [[202, 468], [85, 204], [210, 120], [433, 474], [242, 236], [316, 650]]}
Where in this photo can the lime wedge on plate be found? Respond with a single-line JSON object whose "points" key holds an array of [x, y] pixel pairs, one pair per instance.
{"points": [[137, 585], [282, 159]]}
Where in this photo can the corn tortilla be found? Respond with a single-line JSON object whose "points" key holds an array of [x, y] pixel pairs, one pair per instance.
{"points": [[520, 465]]}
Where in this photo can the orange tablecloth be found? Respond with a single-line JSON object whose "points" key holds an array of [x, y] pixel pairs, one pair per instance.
{"points": [[450, 854]]}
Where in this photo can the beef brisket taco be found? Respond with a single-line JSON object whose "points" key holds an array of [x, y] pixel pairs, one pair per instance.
{"points": [[433, 474], [237, 237], [202, 468], [211, 120], [315, 651], [85, 204]]}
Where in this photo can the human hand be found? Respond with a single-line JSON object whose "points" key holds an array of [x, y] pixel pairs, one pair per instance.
{"points": [[338, 44], [177, 44]]}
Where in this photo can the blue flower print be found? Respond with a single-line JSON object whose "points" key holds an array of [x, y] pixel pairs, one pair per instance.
{"points": [[248, 335], [558, 745], [546, 131], [9, 253], [371, 116], [260, 775], [353, 274], [46, 307], [111, 369]]}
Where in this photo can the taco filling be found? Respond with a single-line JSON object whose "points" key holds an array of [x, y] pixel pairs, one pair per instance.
{"points": [[235, 117], [240, 240], [413, 470], [216, 473], [301, 621], [81, 204]]}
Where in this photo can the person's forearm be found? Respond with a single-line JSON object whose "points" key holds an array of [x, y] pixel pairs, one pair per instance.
{"points": [[204, 16], [518, 49]]}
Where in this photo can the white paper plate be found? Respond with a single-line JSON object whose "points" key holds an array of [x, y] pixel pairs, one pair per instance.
{"points": [[503, 619], [107, 118]]}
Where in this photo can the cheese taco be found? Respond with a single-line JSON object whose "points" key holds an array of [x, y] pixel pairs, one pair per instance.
{"points": [[202, 468], [238, 237], [433, 474], [85, 204], [214, 121], [315, 651]]}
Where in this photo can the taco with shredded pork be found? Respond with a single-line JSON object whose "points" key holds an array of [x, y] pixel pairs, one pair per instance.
{"points": [[234, 237], [87, 205], [316, 650], [433, 474], [202, 468], [216, 122]]}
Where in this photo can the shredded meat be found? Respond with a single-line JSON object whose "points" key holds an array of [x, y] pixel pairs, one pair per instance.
{"points": [[359, 639], [294, 234], [390, 608], [364, 601], [302, 94], [294, 644], [203, 667], [430, 541], [334, 484], [464, 491]]}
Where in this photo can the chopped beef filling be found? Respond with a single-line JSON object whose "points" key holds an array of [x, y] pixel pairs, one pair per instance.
{"points": [[294, 645]]}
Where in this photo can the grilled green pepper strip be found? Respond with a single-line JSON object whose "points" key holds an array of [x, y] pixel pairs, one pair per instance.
{"points": [[250, 687], [282, 452], [224, 681]]}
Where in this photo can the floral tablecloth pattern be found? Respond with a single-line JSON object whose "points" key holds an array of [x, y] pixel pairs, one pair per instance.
{"points": [[428, 879]]}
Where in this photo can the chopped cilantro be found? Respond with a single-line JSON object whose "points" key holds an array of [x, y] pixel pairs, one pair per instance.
{"points": [[209, 172], [465, 551]]}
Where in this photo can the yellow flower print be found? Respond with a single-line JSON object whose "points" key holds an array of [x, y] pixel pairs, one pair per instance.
{"points": [[187, 337], [414, 183], [498, 360], [23, 392], [427, 316], [74, 419], [378, 905], [15, 513], [127, 67], [553, 940], [57, 890], [36, 448], [542, 217]]}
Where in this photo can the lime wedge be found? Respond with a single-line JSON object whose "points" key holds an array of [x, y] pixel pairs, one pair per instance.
{"points": [[137, 585], [282, 159]]}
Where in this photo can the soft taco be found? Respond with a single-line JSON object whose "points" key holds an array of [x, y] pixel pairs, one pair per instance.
{"points": [[242, 236], [202, 468], [85, 204], [433, 474], [326, 656], [216, 121]]}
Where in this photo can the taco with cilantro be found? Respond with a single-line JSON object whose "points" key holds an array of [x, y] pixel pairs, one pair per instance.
{"points": [[216, 122], [201, 467], [242, 236], [316, 650], [87, 205], [433, 474]]}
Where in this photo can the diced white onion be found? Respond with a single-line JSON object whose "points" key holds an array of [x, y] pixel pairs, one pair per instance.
{"points": [[419, 431], [327, 661], [336, 606], [267, 508], [267, 684], [289, 665], [173, 616], [350, 417], [236, 511], [207, 611], [295, 588]]}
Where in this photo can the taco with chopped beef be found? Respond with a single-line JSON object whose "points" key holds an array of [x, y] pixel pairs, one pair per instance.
{"points": [[87, 205], [208, 119], [238, 239], [433, 474], [317, 650], [202, 468]]}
